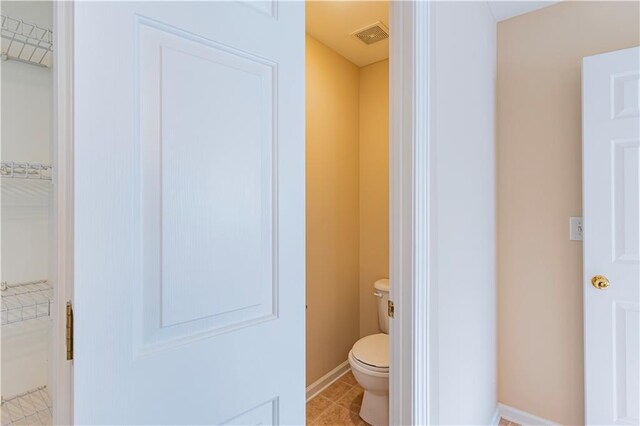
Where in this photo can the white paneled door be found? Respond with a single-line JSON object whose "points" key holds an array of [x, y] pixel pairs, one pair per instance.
{"points": [[189, 212], [611, 150]]}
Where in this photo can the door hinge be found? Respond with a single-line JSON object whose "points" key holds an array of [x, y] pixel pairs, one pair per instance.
{"points": [[390, 309], [69, 331]]}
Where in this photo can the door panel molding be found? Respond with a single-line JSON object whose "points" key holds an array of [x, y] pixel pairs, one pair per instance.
{"points": [[625, 209], [626, 334], [193, 286], [265, 413]]}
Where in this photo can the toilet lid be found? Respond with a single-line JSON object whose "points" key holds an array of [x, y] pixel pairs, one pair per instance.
{"points": [[373, 350]]}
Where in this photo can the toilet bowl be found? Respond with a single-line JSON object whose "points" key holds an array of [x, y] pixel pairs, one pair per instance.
{"points": [[369, 361]]}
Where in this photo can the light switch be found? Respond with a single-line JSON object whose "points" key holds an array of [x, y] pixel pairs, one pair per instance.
{"points": [[575, 229]]}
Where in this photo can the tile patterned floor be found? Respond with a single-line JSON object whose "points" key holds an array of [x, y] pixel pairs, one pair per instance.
{"points": [[337, 405]]}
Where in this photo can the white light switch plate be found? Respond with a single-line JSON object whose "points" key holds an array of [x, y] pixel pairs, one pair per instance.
{"points": [[575, 229]]}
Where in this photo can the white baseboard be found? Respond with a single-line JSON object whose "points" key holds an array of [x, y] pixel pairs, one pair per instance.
{"points": [[518, 416], [325, 381], [495, 420]]}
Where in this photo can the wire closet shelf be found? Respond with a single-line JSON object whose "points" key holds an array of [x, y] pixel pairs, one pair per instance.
{"points": [[25, 301], [37, 171], [26, 42]]}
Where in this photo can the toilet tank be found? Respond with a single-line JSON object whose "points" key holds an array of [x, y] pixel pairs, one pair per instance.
{"points": [[382, 293]]}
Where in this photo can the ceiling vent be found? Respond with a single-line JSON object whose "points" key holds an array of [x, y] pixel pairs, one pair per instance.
{"points": [[372, 33]]}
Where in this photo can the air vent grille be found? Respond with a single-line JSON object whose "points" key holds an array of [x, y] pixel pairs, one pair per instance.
{"points": [[373, 33]]}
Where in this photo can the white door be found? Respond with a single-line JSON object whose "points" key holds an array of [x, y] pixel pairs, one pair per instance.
{"points": [[611, 150], [189, 213]]}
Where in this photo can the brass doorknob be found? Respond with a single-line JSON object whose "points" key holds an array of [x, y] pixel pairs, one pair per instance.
{"points": [[600, 282]]}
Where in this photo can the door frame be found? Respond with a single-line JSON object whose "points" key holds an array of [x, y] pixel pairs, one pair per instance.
{"points": [[62, 264], [414, 329], [413, 369]]}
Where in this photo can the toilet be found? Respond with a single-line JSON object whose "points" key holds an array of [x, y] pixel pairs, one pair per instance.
{"points": [[369, 360]]}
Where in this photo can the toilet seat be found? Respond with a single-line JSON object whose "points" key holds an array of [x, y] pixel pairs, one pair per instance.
{"points": [[372, 352], [367, 369]]}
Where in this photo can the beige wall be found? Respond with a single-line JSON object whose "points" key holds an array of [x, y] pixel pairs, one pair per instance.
{"points": [[374, 188], [347, 202], [540, 367], [332, 208]]}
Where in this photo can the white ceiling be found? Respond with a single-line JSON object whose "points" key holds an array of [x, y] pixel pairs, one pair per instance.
{"points": [[331, 22], [508, 9]]}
